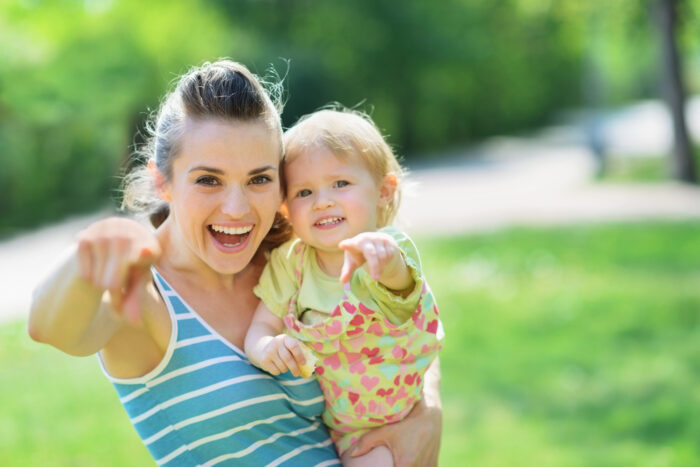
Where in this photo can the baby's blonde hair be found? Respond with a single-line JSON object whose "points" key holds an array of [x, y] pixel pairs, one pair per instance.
{"points": [[348, 134]]}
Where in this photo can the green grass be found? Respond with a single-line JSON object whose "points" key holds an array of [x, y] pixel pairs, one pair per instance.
{"points": [[575, 346], [57, 410], [649, 169]]}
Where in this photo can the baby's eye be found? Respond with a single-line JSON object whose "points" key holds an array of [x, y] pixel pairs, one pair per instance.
{"points": [[303, 193], [341, 184], [260, 180], [207, 180]]}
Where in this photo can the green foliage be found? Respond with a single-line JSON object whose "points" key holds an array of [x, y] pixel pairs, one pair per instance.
{"points": [[572, 346], [77, 77], [78, 80]]}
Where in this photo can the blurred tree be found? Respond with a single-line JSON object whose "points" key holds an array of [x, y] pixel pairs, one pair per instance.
{"points": [[77, 76], [666, 15], [433, 75]]}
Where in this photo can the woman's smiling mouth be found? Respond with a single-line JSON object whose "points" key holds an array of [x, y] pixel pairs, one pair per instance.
{"points": [[230, 237]]}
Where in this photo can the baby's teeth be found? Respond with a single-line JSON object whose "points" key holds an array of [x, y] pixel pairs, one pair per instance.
{"points": [[331, 220]]}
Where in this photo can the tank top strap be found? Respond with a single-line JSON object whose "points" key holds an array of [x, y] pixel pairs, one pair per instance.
{"points": [[169, 295]]}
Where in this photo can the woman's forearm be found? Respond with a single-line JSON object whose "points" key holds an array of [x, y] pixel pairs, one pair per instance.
{"points": [[65, 311], [431, 388]]}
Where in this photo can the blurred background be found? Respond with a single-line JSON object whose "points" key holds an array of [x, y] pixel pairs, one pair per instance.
{"points": [[552, 191]]}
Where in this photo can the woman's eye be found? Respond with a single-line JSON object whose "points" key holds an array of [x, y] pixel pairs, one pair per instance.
{"points": [[260, 180], [207, 180], [303, 193], [341, 184]]}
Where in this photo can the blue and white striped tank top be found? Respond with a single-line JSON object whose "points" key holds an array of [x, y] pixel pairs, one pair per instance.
{"points": [[206, 404]]}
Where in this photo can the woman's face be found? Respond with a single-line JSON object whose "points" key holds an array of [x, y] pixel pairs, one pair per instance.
{"points": [[225, 190]]}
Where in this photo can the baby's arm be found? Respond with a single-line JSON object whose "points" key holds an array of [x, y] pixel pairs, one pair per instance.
{"points": [[268, 348], [383, 257]]}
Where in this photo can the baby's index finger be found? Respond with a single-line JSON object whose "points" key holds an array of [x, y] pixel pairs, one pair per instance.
{"points": [[349, 266]]}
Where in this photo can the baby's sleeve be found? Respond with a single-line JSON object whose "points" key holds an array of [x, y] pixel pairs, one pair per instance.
{"points": [[277, 282], [397, 308]]}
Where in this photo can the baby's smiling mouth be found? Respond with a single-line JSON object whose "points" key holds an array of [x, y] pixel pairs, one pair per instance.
{"points": [[328, 221], [230, 236]]}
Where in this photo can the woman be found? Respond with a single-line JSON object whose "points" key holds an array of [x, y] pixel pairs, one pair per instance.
{"points": [[130, 294]]}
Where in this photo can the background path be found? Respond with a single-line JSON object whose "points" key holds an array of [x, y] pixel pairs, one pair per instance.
{"points": [[540, 180], [532, 182]]}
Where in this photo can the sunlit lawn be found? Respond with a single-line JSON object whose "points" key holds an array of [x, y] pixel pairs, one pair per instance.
{"points": [[652, 168], [575, 346], [571, 347]]}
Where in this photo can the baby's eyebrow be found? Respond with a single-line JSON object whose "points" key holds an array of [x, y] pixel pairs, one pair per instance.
{"points": [[297, 187]]}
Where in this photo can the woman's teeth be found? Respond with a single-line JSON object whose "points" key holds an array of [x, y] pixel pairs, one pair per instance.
{"points": [[232, 230]]}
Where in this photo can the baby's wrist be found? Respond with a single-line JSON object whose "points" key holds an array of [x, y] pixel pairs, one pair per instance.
{"points": [[257, 350], [397, 276]]}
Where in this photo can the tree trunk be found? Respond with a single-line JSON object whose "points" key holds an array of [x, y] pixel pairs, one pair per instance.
{"points": [[665, 14]]}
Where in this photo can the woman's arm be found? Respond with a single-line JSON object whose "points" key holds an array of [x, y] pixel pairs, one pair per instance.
{"points": [[70, 309], [414, 441]]}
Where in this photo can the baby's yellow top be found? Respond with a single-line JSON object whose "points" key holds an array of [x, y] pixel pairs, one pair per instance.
{"points": [[320, 293]]}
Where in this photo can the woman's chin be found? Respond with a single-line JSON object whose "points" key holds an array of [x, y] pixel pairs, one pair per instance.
{"points": [[232, 258]]}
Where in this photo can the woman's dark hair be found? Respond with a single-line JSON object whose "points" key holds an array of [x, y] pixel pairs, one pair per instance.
{"points": [[223, 90]]}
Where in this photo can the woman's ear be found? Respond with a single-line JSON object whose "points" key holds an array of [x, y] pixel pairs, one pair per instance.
{"points": [[159, 181], [387, 190]]}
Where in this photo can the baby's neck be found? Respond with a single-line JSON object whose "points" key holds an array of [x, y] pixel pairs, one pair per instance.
{"points": [[330, 262]]}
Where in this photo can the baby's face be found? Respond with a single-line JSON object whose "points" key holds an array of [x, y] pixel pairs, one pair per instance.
{"points": [[330, 199]]}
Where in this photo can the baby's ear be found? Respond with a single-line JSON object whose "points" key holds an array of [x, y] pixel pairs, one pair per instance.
{"points": [[387, 190], [159, 182]]}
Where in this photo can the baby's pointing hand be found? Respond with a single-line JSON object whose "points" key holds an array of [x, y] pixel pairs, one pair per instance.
{"points": [[377, 249]]}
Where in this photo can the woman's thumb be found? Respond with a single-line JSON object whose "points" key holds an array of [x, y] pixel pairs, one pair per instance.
{"points": [[367, 442]]}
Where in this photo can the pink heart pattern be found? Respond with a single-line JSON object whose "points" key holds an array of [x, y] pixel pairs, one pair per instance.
{"points": [[369, 382], [358, 394]]}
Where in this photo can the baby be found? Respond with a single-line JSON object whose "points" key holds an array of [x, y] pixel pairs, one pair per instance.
{"points": [[349, 288]]}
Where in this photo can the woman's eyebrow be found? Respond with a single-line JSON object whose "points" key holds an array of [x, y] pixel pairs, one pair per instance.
{"points": [[206, 169], [221, 172], [262, 169]]}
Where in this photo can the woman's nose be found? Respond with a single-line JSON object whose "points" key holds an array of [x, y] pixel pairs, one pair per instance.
{"points": [[236, 203]]}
